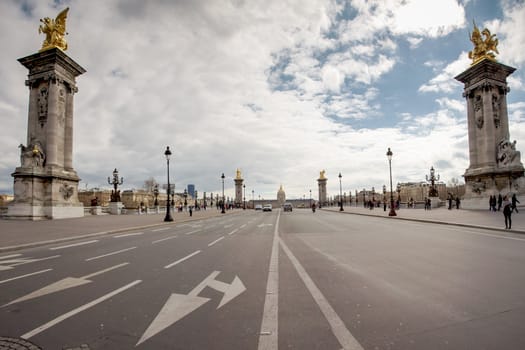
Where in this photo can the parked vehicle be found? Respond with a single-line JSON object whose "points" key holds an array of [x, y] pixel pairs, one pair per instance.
{"points": [[258, 207]]}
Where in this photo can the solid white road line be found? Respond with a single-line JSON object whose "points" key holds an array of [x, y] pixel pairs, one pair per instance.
{"points": [[9, 256], [129, 234], [181, 260], [163, 239], [343, 335], [108, 254], [77, 310], [74, 245], [216, 241], [27, 275], [268, 336]]}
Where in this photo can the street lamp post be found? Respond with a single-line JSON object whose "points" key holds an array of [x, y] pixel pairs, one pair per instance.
{"points": [[223, 204], [244, 197], [168, 217], [253, 199], [185, 198], [115, 194], [392, 210], [340, 193], [384, 197], [310, 198]]}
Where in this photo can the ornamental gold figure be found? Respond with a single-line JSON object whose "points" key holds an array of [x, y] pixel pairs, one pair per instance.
{"points": [[485, 45], [55, 31]]}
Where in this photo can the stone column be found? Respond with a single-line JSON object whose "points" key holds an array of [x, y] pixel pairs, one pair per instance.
{"points": [[238, 191], [322, 191], [495, 164], [45, 183]]}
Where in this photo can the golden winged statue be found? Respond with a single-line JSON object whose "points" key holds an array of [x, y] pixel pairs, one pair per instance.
{"points": [[485, 45], [55, 31]]}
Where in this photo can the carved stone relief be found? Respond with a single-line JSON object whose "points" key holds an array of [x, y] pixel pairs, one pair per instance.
{"points": [[496, 110], [42, 105], [478, 110]]}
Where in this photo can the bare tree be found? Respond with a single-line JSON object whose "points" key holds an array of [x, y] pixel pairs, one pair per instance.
{"points": [[150, 184]]}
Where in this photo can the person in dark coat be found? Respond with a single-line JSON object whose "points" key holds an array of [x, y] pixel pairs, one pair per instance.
{"points": [[507, 212], [514, 201], [500, 201]]}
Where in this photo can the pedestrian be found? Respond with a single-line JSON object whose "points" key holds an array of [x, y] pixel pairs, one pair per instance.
{"points": [[500, 201], [458, 201], [514, 201], [507, 212], [429, 204], [449, 201], [191, 211]]}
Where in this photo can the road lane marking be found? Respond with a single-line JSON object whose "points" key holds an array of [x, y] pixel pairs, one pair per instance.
{"points": [[180, 305], [109, 254], [10, 264], [268, 336], [216, 241], [181, 260], [26, 275], [161, 229], [192, 232], [74, 245], [78, 310], [231, 233], [343, 335], [243, 226], [163, 239], [129, 234], [9, 256], [63, 284]]}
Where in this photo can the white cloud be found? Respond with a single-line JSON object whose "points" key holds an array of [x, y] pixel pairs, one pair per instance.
{"points": [[444, 81]]}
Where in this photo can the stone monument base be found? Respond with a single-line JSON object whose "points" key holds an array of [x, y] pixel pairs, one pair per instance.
{"points": [[480, 187], [115, 208], [44, 194], [434, 202]]}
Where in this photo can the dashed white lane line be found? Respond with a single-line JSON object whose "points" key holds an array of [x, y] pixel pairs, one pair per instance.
{"points": [[26, 275], [192, 232], [109, 254], [129, 234], [343, 335], [74, 245], [78, 310], [161, 229], [216, 241], [231, 233], [181, 260], [163, 239]]}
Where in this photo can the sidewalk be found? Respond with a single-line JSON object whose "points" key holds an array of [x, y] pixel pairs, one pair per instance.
{"points": [[468, 218], [18, 234]]}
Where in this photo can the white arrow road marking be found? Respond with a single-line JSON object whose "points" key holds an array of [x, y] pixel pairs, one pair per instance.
{"points": [[179, 305], [9, 264], [26, 275], [78, 310], [63, 284]]}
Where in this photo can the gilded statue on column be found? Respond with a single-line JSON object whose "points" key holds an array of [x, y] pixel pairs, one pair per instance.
{"points": [[55, 31], [485, 45]]}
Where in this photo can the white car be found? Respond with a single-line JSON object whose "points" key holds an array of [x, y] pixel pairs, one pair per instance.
{"points": [[267, 207], [258, 207]]}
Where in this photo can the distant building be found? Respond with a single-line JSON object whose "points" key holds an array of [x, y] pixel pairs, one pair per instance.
{"points": [[191, 190]]}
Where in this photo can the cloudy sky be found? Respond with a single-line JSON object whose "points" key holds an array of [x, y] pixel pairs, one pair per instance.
{"points": [[281, 89]]}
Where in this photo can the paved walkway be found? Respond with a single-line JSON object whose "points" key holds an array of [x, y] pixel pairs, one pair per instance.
{"points": [[16, 234], [469, 218]]}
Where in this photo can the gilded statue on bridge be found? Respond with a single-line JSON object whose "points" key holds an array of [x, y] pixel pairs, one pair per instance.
{"points": [[55, 31], [485, 45]]}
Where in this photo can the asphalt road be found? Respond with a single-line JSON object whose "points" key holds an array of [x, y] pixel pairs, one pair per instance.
{"points": [[271, 281]]}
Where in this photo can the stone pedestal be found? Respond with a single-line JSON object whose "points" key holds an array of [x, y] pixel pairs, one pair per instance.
{"points": [[323, 201], [434, 202], [495, 164], [115, 208], [45, 184]]}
